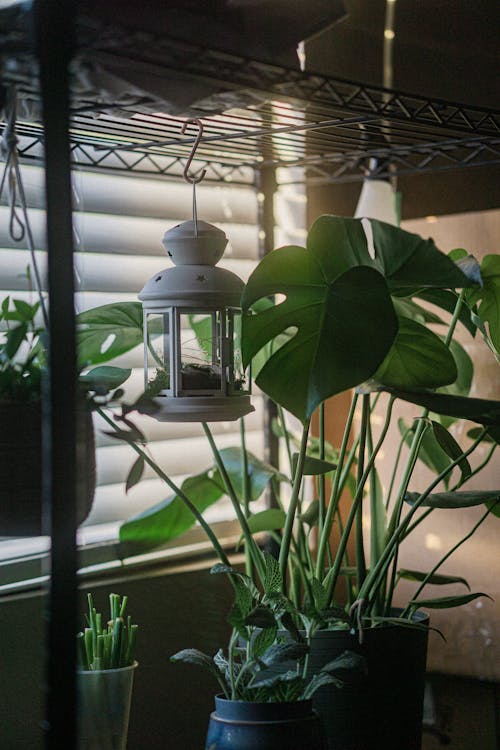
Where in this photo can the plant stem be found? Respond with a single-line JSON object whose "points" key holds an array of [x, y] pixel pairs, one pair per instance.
{"points": [[327, 528], [360, 548], [402, 443], [246, 490], [292, 508], [334, 572], [187, 502], [322, 479], [247, 534], [445, 557], [371, 583], [286, 436]]}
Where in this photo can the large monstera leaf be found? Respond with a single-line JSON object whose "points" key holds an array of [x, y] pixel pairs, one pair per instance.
{"points": [[344, 326], [406, 260], [337, 306]]}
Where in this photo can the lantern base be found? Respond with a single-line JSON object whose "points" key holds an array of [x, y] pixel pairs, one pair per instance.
{"points": [[202, 408]]}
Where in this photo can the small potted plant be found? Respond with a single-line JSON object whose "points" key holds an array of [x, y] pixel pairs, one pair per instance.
{"points": [[267, 687], [22, 362], [106, 665]]}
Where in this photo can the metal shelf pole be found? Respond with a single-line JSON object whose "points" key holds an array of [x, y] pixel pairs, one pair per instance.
{"points": [[54, 45]]}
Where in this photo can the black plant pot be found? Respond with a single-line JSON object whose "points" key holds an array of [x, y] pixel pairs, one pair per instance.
{"points": [[383, 709], [21, 467], [242, 725]]}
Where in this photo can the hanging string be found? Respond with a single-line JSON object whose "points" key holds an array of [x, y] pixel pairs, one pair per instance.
{"points": [[18, 229]]}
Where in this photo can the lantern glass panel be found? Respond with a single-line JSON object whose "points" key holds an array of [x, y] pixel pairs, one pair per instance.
{"points": [[239, 378], [201, 366], [158, 350]]}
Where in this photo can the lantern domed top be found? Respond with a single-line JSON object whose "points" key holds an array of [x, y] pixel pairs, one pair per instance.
{"points": [[190, 244]]}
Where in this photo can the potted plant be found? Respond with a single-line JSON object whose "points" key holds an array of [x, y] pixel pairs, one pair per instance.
{"points": [[106, 665], [266, 685], [22, 361], [350, 315]]}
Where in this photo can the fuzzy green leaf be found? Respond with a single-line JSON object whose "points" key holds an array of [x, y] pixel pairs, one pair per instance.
{"points": [[273, 580]]}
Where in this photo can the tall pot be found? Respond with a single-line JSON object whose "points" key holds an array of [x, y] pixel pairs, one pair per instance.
{"points": [[21, 467], [383, 709], [242, 725], [104, 698]]}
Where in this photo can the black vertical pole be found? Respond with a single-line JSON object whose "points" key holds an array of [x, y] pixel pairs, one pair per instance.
{"points": [[266, 188], [53, 21]]}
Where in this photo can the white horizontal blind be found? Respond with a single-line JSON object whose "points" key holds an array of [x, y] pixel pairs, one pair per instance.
{"points": [[119, 224]]}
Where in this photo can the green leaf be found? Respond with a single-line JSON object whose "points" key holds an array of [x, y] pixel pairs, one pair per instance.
{"points": [[244, 597], [259, 472], [311, 513], [313, 466], [25, 311], [474, 433], [417, 359], [348, 661], [196, 657], [266, 520], [351, 314], [105, 378], [273, 580], [262, 640], [455, 499], [107, 331], [260, 617], [219, 568], [447, 300], [479, 410], [135, 473], [378, 519], [430, 452], [279, 653], [446, 602], [489, 297], [404, 623], [435, 579], [14, 339], [407, 308], [451, 448], [320, 594], [465, 372], [410, 261], [170, 518]]}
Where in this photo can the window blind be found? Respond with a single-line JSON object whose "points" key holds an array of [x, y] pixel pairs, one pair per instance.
{"points": [[119, 224]]}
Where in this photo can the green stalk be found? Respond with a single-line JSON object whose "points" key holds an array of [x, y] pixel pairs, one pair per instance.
{"points": [[286, 436], [371, 583], [445, 557], [478, 468], [292, 508], [402, 443], [360, 547], [327, 528], [187, 502], [246, 491], [334, 572], [417, 521], [322, 479], [252, 547]]}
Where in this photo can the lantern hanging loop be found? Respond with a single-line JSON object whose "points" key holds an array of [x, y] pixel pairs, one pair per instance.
{"points": [[190, 178]]}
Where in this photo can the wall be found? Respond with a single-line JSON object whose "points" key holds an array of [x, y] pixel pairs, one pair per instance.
{"points": [[176, 608]]}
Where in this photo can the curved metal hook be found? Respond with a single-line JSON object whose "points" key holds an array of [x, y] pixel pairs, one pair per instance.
{"points": [[187, 177]]}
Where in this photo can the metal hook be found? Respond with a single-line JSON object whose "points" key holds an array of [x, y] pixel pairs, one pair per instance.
{"points": [[187, 177]]}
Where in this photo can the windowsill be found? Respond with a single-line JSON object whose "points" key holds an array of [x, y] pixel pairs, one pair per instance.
{"points": [[23, 566]]}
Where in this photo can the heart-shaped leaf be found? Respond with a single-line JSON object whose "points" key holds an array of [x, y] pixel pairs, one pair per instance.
{"points": [[259, 472], [105, 378], [489, 297]]}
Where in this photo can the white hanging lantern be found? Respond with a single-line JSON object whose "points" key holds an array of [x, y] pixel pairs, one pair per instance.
{"points": [[192, 324]]}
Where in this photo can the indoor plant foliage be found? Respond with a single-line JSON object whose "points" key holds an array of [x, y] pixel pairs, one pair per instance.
{"points": [[23, 361], [349, 315], [106, 665]]}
